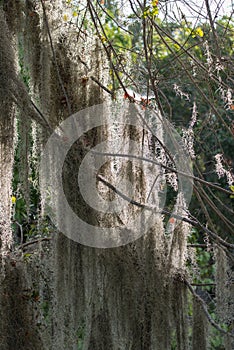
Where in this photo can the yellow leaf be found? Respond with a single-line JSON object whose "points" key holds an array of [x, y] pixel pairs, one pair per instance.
{"points": [[232, 189], [65, 18], [13, 199], [154, 12], [146, 12], [103, 38], [199, 32], [154, 3]]}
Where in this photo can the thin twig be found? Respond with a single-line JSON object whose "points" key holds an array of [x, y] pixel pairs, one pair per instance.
{"points": [[189, 176], [213, 235], [213, 28], [204, 307], [110, 46], [114, 20], [21, 105], [158, 29], [102, 86], [22, 246], [192, 221], [203, 284], [197, 245]]}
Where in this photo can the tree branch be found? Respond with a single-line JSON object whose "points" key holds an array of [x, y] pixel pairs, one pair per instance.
{"points": [[193, 221], [204, 307]]}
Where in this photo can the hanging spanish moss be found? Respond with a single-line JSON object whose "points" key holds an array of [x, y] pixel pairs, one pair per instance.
{"points": [[225, 291], [200, 327], [13, 10], [24, 131], [56, 293], [223, 285], [7, 72], [32, 42], [109, 297]]}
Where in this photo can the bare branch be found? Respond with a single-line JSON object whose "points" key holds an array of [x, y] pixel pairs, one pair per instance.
{"points": [[192, 220], [189, 176], [204, 307]]}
